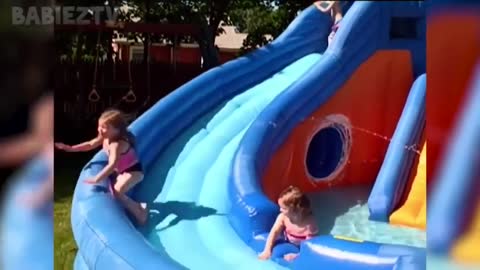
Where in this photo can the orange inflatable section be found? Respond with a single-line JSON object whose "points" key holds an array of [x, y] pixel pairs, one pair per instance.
{"points": [[453, 49], [372, 99], [466, 248], [451, 60], [413, 209]]}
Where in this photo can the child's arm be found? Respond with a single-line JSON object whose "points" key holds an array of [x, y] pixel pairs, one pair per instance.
{"points": [[318, 4], [82, 147], [18, 149], [112, 162], [274, 233]]}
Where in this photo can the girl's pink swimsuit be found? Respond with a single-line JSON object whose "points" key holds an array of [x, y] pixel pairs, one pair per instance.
{"points": [[128, 161], [296, 234]]}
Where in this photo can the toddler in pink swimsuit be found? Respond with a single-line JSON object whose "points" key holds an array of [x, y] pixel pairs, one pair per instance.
{"points": [[295, 220], [118, 143]]}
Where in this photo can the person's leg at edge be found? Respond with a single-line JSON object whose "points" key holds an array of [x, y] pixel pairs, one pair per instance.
{"points": [[331, 36], [125, 182]]}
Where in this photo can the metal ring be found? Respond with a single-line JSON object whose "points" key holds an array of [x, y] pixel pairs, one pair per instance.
{"points": [[94, 96]]}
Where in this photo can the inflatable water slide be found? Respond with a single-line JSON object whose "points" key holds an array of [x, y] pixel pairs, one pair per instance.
{"points": [[26, 234], [219, 149], [454, 130]]}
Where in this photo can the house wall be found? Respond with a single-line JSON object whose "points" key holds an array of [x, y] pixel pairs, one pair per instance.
{"points": [[165, 54]]}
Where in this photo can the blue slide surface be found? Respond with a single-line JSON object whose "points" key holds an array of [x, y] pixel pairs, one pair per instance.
{"points": [[198, 182], [394, 174], [205, 144]]}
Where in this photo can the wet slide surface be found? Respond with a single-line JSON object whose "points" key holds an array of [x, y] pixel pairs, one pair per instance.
{"points": [[188, 221], [347, 217]]}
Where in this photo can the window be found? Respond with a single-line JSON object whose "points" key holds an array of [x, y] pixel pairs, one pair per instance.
{"points": [[403, 28]]}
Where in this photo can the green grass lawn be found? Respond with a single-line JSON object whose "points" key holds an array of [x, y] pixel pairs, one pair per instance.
{"points": [[67, 170]]}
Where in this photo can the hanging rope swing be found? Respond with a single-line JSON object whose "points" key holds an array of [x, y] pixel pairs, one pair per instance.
{"points": [[130, 96], [94, 96]]}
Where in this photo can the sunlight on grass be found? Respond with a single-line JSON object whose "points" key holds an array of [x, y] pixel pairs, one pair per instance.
{"points": [[65, 247], [65, 180]]}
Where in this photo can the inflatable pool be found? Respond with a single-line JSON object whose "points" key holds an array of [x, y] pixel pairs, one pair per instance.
{"points": [[219, 149], [26, 234]]}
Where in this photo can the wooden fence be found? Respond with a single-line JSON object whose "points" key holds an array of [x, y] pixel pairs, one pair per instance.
{"points": [[77, 106]]}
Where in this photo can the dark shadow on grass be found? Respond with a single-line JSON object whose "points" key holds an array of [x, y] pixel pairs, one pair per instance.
{"points": [[182, 211], [67, 169]]}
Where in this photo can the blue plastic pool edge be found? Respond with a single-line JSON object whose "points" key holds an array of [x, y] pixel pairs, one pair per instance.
{"points": [[26, 234], [359, 255], [105, 237], [252, 215]]}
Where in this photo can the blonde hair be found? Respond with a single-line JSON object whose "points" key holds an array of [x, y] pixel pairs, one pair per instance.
{"points": [[118, 120], [293, 198]]}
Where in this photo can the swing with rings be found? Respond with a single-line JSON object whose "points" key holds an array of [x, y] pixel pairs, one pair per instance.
{"points": [[95, 98], [130, 97]]}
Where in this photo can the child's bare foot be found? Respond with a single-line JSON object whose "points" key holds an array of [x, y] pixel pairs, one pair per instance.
{"points": [[290, 256]]}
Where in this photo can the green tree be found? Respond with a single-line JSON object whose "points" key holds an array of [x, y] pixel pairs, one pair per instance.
{"points": [[263, 20], [266, 21], [81, 46], [208, 14]]}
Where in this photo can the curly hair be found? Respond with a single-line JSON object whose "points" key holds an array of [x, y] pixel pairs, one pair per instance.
{"points": [[293, 198]]}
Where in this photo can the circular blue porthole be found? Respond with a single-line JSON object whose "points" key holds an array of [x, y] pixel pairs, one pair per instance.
{"points": [[324, 152], [328, 149]]}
